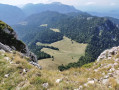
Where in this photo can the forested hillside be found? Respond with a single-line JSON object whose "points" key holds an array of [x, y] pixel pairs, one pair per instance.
{"points": [[33, 23], [35, 31], [102, 34], [98, 33], [114, 20]]}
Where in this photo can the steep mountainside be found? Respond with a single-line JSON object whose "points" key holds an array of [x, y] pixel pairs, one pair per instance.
{"points": [[45, 21], [9, 41], [47, 17], [56, 6], [11, 14], [98, 33], [37, 29], [114, 20]]}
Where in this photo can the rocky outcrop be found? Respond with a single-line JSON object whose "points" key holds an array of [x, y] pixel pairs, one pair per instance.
{"points": [[107, 54], [9, 42], [5, 47], [105, 71], [36, 64]]}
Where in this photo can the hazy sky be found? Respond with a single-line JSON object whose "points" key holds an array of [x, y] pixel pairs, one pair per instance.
{"points": [[76, 3], [71, 2]]}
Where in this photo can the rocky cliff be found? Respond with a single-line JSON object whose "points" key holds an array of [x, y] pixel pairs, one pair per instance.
{"points": [[9, 42]]}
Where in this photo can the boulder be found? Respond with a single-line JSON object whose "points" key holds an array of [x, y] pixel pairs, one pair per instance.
{"points": [[105, 81], [6, 75], [58, 80], [45, 85], [91, 82], [7, 58]]}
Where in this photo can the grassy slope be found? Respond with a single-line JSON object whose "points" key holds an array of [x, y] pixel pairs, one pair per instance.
{"points": [[17, 78], [68, 52], [34, 78]]}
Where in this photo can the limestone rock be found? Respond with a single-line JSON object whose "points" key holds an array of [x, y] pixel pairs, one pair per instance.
{"points": [[45, 85], [105, 81], [107, 54], [24, 71], [80, 87], [58, 80], [7, 58], [36, 64], [76, 89], [6, 75], [91, 82], [5, 47], [2, 51]]}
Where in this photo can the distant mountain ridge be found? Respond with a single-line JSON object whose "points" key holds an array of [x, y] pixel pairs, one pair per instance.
{"points": [[30, 9], [112, 13], [11, 14]]}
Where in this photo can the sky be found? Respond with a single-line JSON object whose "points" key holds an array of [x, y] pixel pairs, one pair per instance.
{"points": [[82, 4]]}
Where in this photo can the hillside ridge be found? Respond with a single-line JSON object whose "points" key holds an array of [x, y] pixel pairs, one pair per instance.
{"points": [[9, 41]]}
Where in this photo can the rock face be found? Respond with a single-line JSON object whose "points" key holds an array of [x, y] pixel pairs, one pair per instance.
{"points": [[9, 42], [36, 64], [5, 47], [107, 54]]}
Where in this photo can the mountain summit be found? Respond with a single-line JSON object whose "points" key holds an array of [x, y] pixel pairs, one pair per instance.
{"points": [[56, 6]]}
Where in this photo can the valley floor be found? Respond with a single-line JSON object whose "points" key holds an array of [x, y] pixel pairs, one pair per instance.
{"points": [[69, 51]]}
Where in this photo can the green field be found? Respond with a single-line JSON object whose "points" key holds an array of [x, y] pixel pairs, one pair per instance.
{"points": [[55, 30], [43, 25], [69, 51]]}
